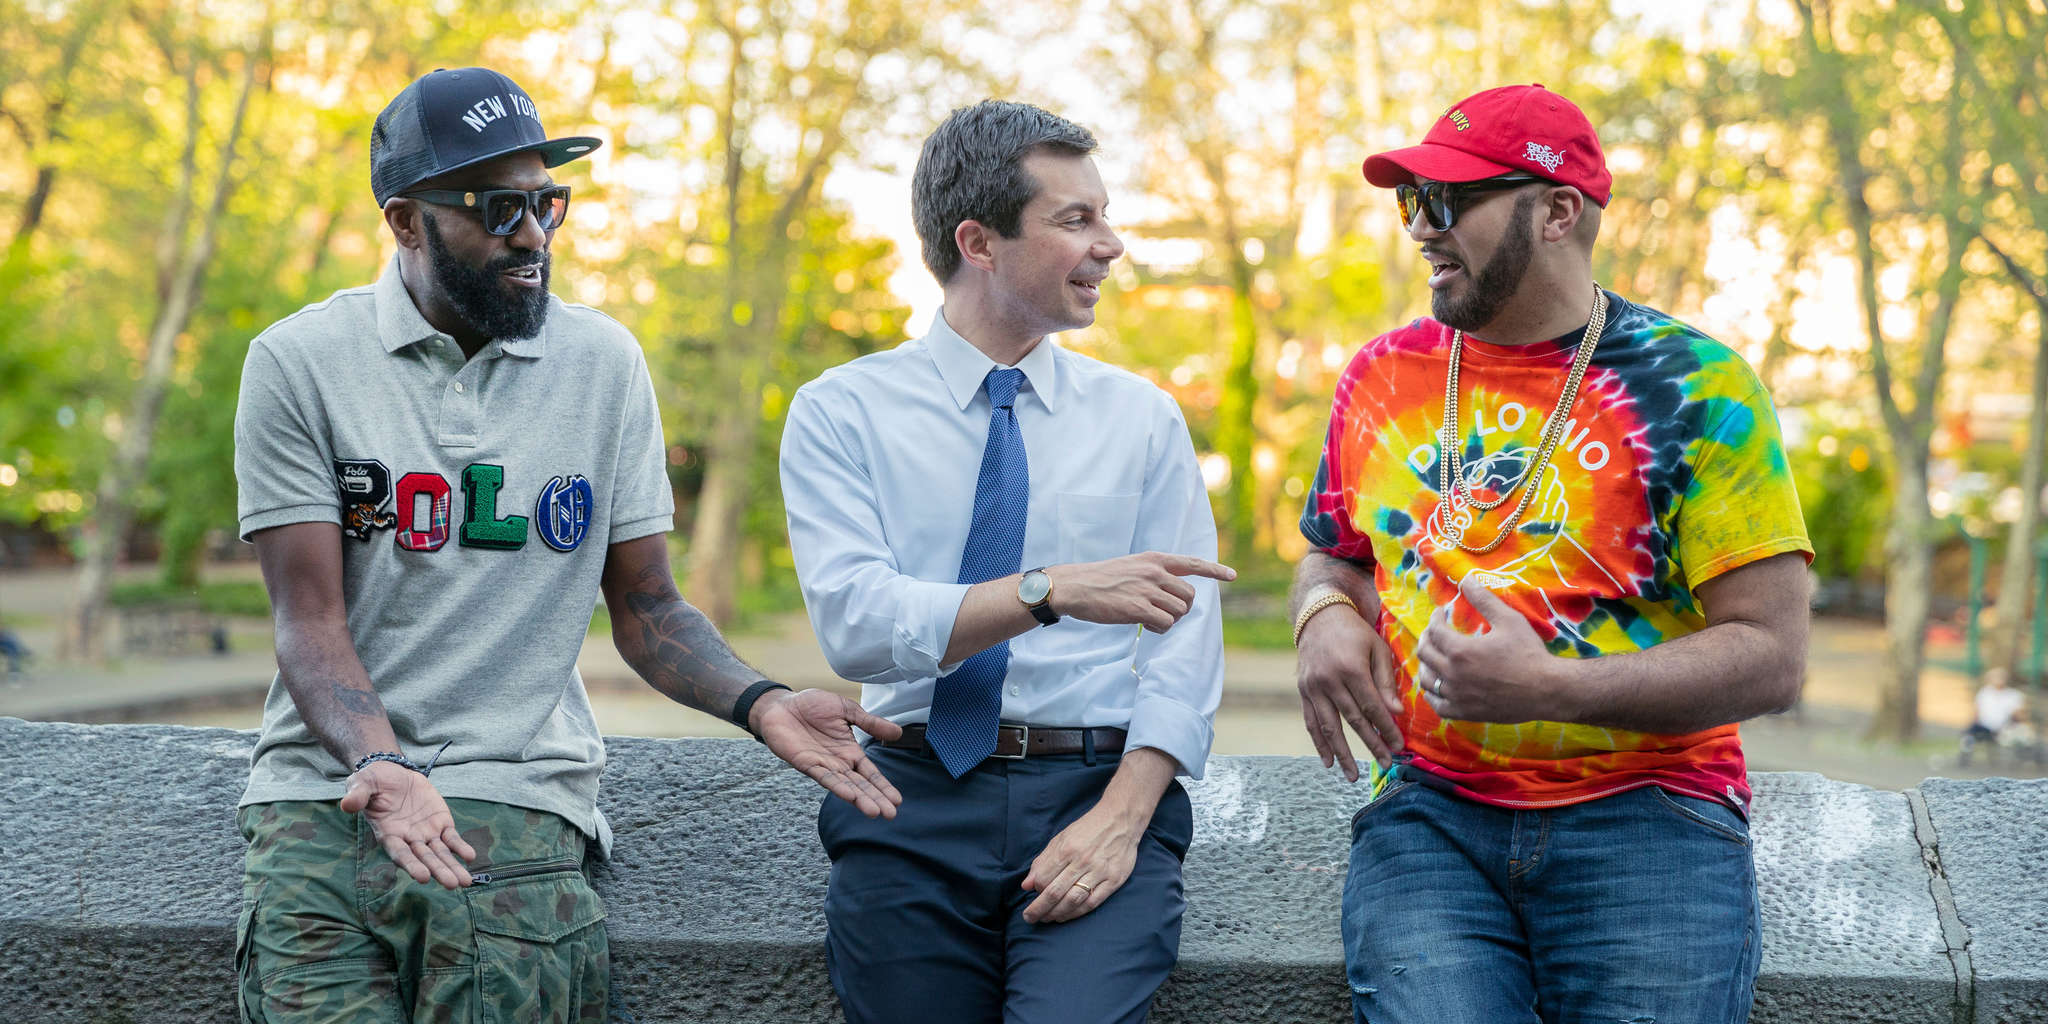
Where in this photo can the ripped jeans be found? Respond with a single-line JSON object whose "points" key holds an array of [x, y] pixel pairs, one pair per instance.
{"points": [[1639, 908]]}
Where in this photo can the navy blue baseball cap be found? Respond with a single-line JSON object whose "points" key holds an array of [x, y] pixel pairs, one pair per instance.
{"points": [[448, 119]]}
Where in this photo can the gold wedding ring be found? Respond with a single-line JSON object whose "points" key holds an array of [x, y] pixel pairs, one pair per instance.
{"points": [[1084, 887]]}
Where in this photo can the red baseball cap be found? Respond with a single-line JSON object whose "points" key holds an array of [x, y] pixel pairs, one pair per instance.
{"points": [[1512, 128]]}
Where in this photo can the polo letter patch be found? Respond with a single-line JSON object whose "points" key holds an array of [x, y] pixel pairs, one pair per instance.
{"points": [[365, 487], [411, 488], [562, 515], [481, 527], [420, 509]]}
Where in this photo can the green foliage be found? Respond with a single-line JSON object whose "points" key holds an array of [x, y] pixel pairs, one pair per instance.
{"points": [[1844, 492], [46, 389], [242, 598], [838, 307], [1260, 632]]}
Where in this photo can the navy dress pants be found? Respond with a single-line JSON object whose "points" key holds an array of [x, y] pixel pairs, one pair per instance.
{"points": [[924, 914]]}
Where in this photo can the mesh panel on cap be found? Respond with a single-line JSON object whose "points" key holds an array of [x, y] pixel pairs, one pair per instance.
{"points": [[399, 153]]}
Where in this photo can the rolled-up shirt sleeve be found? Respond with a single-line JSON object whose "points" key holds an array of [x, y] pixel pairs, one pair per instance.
{"points": [[1180, 672], [642, 503], [284, 472], [874, 623]]}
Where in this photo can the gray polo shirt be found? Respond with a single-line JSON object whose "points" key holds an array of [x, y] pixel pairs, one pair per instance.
{"points": [[477, 500]]}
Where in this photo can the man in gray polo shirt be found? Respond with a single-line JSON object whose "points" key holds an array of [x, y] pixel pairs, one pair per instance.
{"points": [[440, 473]]}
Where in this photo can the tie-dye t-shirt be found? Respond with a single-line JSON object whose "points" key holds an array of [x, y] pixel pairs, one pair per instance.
{"points": [[1670, 473]]}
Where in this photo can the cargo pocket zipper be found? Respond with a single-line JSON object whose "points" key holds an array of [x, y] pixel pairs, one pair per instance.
{"points": [[487, 877]]}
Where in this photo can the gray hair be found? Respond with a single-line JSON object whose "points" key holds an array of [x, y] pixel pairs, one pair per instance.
{"points": [[971, 168]]}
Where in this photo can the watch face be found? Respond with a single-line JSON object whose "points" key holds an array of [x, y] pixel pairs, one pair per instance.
{"points": [[1033, 587]]}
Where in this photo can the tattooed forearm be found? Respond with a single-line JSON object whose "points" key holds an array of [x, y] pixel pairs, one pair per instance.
{"points": [[333, 694], [356, 701], [1320, 572], [679, 652]]}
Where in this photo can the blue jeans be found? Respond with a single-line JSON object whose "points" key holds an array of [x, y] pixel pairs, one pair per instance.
{"points": [[1634, 908]]}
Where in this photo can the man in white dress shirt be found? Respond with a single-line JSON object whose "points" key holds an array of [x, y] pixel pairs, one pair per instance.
{"points": [[1010, 547]]}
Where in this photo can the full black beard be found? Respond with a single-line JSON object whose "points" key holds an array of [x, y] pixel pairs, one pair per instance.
{"points": [[1498, 281], [480, 296]]}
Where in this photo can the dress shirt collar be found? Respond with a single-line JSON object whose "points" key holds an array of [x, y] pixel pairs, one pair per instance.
{"points": [[399, 322], [963, 367]]}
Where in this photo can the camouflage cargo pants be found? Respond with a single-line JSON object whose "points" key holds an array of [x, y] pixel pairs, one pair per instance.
{"points": [[333, 931]]}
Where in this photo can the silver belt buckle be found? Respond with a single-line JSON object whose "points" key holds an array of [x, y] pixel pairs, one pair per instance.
{"points": [[1023, 742]]}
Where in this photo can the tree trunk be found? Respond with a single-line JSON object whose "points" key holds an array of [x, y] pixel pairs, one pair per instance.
{"points": [[709, 576], [759, 255], [182, 274], [83, 30], [1235, 427], [2016, 578], [1909, 551], [112, 512], [1907, 600], [712, 574], [32, 208]]}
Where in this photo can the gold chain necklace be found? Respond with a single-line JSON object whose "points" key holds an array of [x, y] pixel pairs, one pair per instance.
{"points": [[1455, 498]]}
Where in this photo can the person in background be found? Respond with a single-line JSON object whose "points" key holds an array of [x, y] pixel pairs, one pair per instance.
{"points": [[1997, 705]]}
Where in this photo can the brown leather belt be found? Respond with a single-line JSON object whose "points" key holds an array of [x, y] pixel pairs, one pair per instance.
{"points": [[1015, 742]]}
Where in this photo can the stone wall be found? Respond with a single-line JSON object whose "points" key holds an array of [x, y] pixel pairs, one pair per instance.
{"points": [[120, 885]]}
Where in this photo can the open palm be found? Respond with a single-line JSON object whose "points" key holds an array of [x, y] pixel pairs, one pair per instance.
{"points": [[813, 731]]}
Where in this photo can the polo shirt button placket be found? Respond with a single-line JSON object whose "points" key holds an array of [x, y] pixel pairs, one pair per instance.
{"points": [[458, 411]]}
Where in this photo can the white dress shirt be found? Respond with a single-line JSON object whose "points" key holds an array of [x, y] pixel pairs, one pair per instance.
{"points": [[879, 463]]}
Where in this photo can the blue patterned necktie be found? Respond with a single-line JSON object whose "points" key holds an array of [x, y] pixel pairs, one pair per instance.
{"points": [[966, 704]]}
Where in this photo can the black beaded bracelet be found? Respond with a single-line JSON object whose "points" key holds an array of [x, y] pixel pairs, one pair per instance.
{"points": [[744, 707], [401, 760]]}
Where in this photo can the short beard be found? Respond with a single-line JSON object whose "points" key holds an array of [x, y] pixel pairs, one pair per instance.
{"points": [[1498, 281], [480, 296]]}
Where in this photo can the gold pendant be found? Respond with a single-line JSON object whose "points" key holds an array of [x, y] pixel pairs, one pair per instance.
{"points": [[1455, 518]]}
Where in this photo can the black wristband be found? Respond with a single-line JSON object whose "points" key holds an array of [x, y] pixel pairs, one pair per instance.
{"points": [[744, 706], [401, 760]]}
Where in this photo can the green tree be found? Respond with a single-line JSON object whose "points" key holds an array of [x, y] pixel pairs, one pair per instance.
{"points": [[55, 340], [205, 178], [787, 89], [1898, 187], [2002, 55], [1228, 99]]}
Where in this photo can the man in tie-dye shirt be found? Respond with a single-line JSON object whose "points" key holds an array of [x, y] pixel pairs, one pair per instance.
{"points": [[1546, 632]]}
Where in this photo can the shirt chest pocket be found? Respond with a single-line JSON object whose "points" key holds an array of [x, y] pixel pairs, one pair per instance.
{"points": [[1093, 527]]}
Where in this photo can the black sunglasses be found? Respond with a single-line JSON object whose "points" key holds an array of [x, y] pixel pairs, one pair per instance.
{"points": [[1438, 200], [502, 208]]}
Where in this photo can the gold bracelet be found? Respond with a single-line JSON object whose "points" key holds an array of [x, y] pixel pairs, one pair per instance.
{"points": [[1309, 611]]}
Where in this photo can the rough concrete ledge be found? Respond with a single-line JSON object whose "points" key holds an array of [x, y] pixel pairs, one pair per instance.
{"points": [[1991, 836], [120, 885]]}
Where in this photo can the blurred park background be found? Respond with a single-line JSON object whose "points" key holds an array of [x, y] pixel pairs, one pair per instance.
{"points": [[1852, 193]]}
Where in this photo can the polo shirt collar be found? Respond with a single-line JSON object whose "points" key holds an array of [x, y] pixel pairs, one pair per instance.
{"points": [[400, 324], [963, 367]]}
